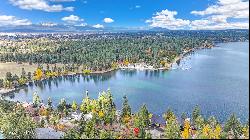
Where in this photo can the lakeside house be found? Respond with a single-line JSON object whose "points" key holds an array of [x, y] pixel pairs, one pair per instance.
{"points": [[76, 116], [48, 133], [1, 136], [139, 66], [88, 116]]}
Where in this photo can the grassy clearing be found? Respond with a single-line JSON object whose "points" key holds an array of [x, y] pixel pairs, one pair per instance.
{"points": [[15, 68]]}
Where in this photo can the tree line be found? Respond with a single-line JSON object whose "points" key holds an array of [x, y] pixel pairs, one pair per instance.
{"points": [[106, 123], [103, 51]]}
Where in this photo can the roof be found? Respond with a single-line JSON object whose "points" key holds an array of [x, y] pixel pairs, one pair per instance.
{"points": [[48, 133], [157, 119], [1, 135]]}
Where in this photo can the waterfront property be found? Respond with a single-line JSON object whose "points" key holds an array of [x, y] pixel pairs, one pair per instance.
{"points": [[217, 81]]}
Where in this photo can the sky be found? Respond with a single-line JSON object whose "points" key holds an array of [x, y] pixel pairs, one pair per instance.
{"points": [[169, 14]]}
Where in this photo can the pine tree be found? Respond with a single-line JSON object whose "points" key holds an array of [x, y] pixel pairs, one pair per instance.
{"points": [[50, 104], [36, 99], [62, 105], [183, 116], [196, 112], [8, 76], [126, 109], [169, 115], [172, 129], [144, 116], [233, 126], [29, 76], [23, 75]]}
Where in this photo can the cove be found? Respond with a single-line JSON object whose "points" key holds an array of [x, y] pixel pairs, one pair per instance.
{"points": [[216, 79]]}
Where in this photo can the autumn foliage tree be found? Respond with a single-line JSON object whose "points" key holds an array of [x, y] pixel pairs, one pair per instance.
{"points": [[38, 74]]}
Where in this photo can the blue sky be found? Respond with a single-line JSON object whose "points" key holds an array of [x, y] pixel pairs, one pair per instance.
{"points": [[172, 14]]}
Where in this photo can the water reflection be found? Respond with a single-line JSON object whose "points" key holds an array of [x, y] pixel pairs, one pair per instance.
{"points": [[26, 90], [219, 87], [129, 73], [96, 78], [147, 73], [101, 77]]}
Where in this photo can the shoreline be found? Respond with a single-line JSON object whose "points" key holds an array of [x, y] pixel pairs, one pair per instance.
{"points": [[7, 91], [4, 91], [101, 72]]}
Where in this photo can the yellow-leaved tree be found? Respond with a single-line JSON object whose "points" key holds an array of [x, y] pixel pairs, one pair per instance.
{"points": [[126, 62], [38, 74], [74, 106]]}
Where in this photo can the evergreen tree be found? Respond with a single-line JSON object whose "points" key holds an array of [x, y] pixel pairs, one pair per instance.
{"points": [[9, 76], [183, 116], [72, 134], [196, 112], [62, 105], [50, 108], [142, 118], [172, 129], [18, 125], [29, 76], [126, 109], [36, 99], [233, 126], [23, 75], [168, 115]]}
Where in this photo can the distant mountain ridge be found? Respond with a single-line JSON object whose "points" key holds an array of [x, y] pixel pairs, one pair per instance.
{"points": [[41, 28], [72, 28]]}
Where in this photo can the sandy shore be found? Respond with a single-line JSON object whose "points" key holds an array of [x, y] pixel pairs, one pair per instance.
{"points": [[101, 72]]}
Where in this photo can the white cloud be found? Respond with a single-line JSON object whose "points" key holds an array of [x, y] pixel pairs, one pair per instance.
{"points": [[225, 14], [62, 0], [108, 20], [39, 5], [98, 26], [219, 14], [166, 19], [228, 8], [221, 26], [138, 6], [218, 18], [202, 22], [49, 24], [217, 24], [82, 24], [13, 21], [72, 19]]}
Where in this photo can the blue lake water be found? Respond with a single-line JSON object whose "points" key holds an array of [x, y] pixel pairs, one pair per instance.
{"points": [[216, 79]]}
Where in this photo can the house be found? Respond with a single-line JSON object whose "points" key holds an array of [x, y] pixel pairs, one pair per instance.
{"points": [[88, 116], [48, 133], [1, 136], [76, 116]]}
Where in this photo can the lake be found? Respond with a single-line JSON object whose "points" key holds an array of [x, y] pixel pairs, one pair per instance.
{"points": [[216, 79]]}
